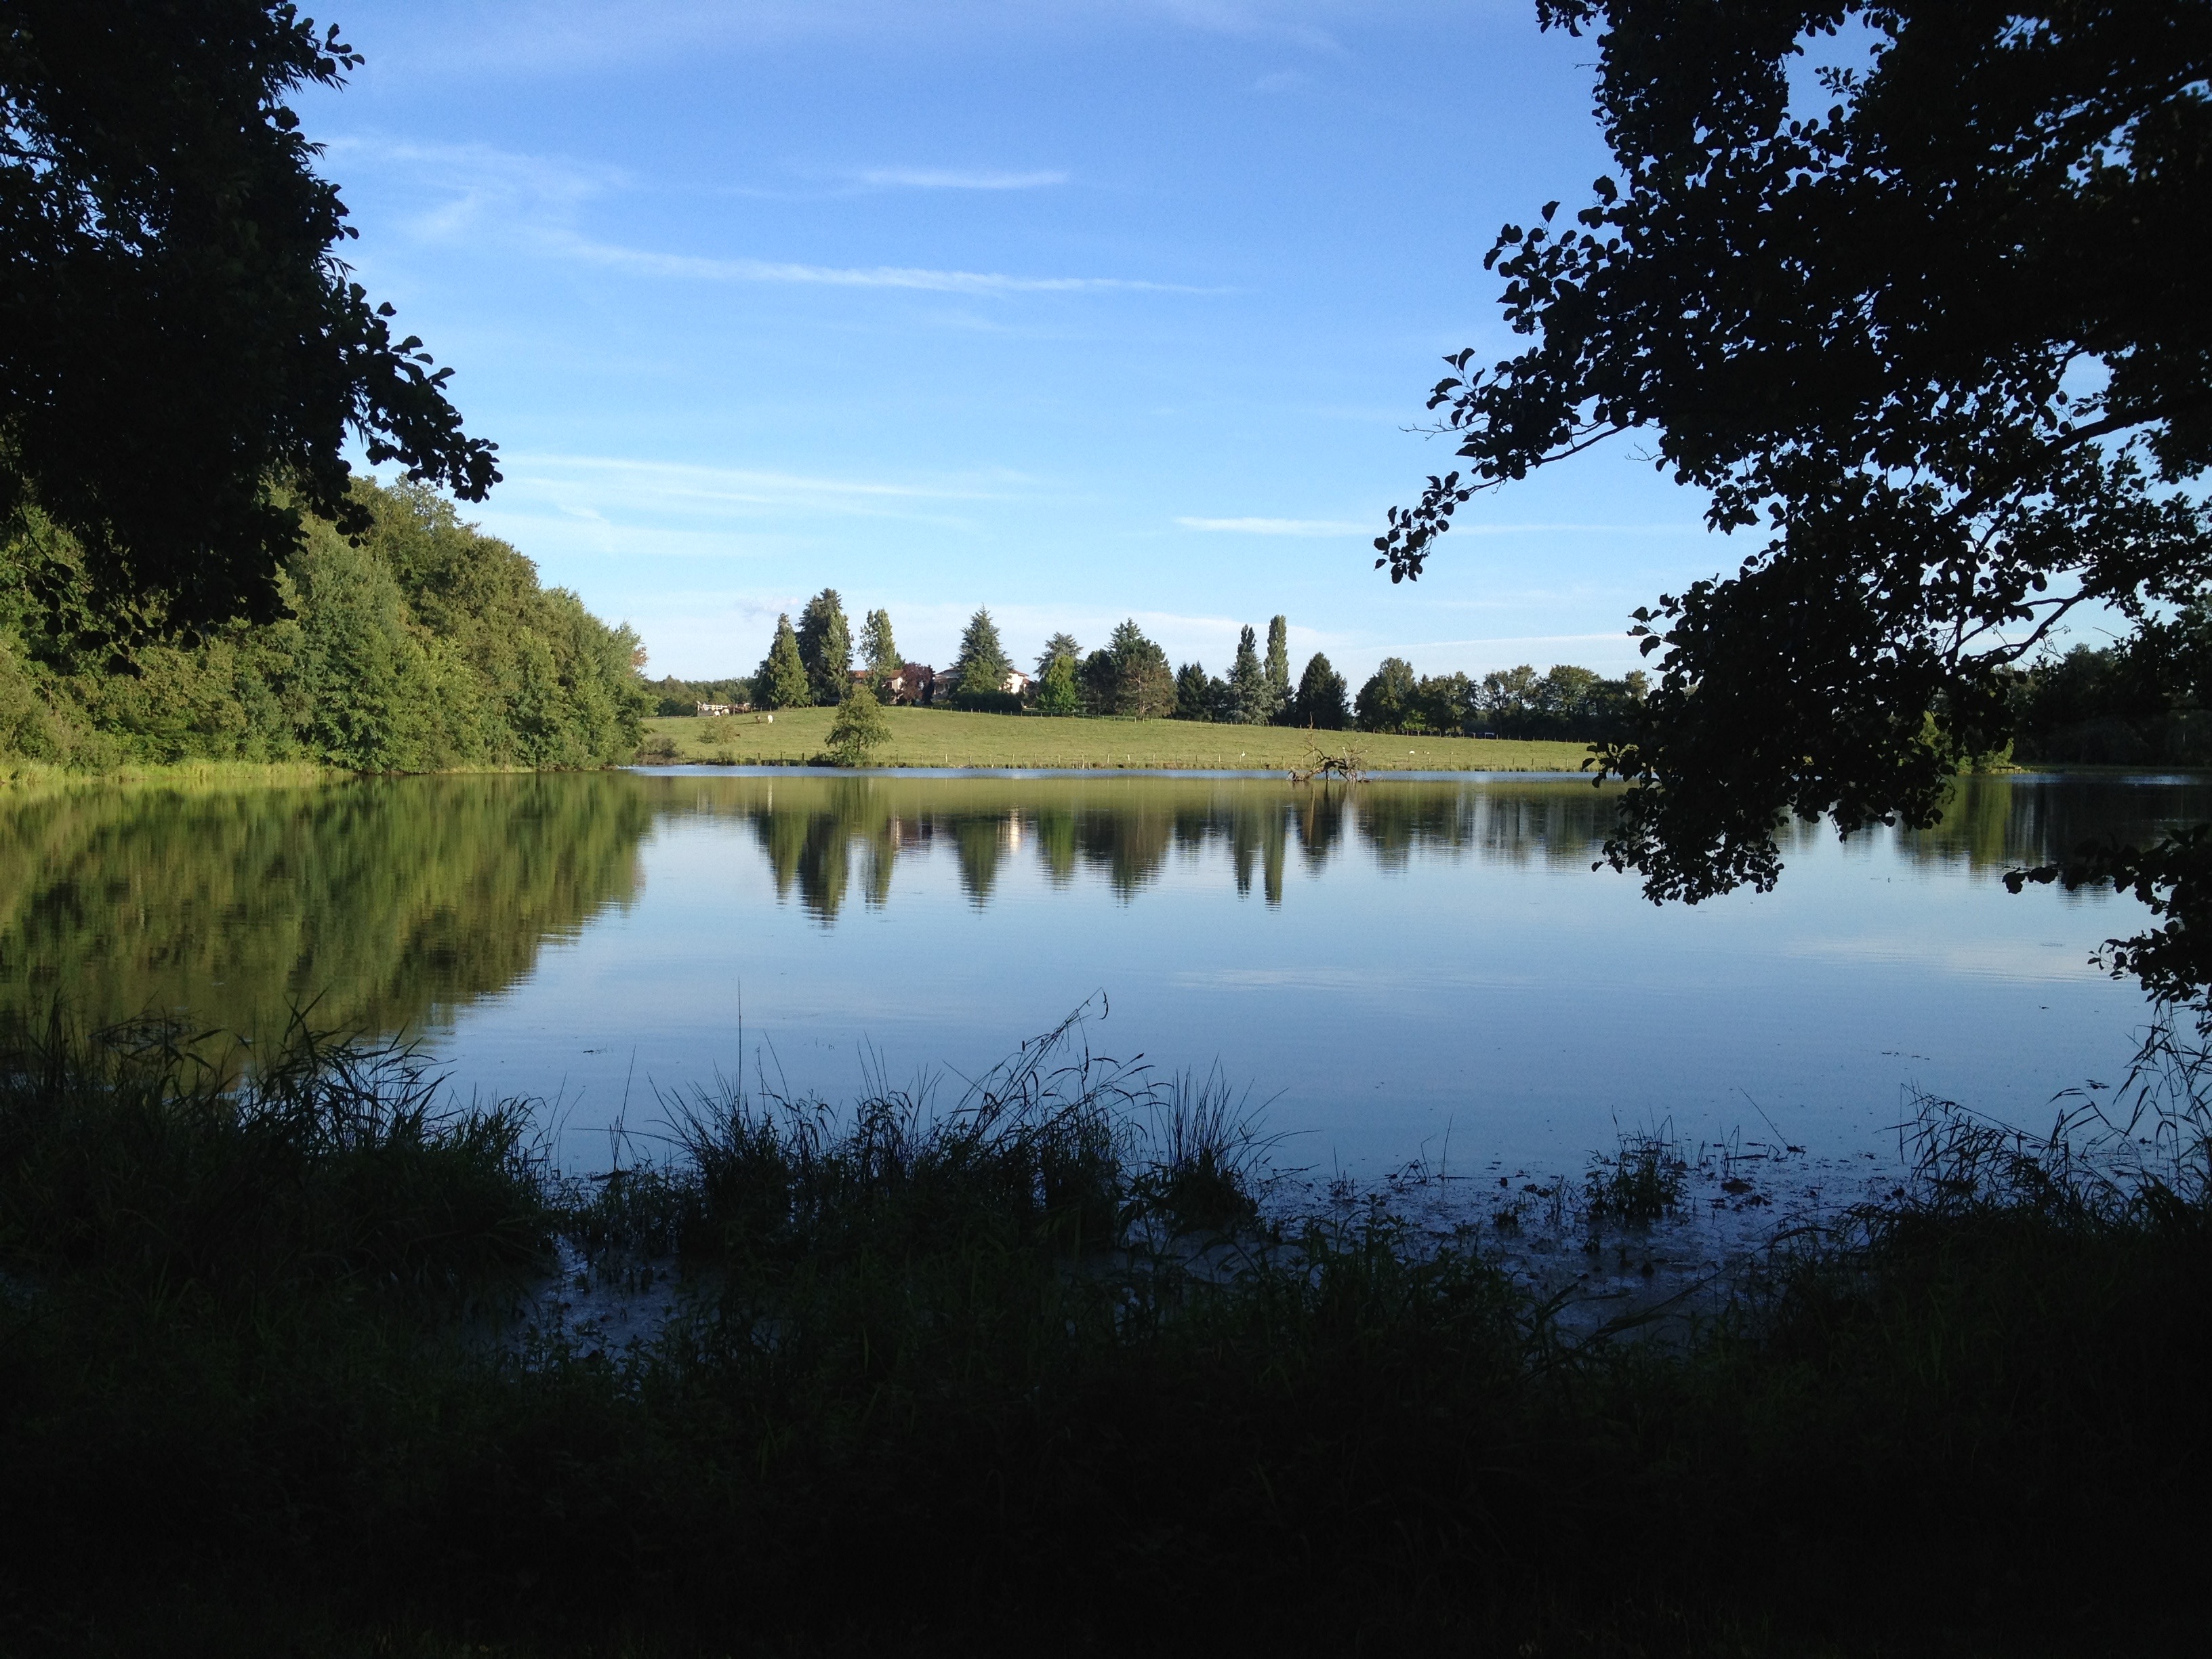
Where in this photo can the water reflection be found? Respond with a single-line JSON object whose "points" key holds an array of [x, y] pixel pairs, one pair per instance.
{"points": [[387, 904], [828, 838], [392, 904]]}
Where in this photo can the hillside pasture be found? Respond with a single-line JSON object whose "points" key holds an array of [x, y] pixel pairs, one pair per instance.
{"points": [[944, 737]]}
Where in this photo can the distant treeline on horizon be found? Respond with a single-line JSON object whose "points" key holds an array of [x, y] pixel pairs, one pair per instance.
{"points": [[812, 662]]}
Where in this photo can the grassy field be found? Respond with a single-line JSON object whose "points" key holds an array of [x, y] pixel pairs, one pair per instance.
{"points": [[941, 737]]}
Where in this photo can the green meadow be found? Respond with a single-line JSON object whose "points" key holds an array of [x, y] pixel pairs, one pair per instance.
{"points": [[944, 737]]}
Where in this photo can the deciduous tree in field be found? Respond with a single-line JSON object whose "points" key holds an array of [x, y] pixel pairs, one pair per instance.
{"points": [[1387, 699], [879, 650], [860, 726], [780, 682], [1922, 310]]}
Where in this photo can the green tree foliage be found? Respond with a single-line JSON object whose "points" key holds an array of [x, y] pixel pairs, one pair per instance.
{"points": [[781, 681], [178, 333], [1323, 700], [1097, 683], [1194, 693], [2147, 700], [1059, 692], [879, 650], [671, 696], [1058, 646], [405, 902], [983, 666], [423, 646], [1386, 701], [1278, 663], [825, 647], [1944, 339], [860, 726], [1131, 676], [1250, 698]]}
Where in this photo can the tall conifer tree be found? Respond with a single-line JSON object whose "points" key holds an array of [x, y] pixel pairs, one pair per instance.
{"points": [[1251, 699], [983, 666], [1278, 663], [825, 645], [782, 681]]}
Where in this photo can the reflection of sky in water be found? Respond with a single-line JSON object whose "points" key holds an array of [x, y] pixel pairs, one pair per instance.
{"points": [[1472, 976]]}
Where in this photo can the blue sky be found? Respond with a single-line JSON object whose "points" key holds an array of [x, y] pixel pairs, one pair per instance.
{"points": [[1079, 309]]}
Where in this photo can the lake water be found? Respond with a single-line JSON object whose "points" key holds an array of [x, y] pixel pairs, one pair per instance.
{"points": [[1404, 967]]}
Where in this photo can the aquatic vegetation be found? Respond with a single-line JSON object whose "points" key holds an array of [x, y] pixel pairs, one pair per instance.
{"points": [[1637, 1184], [1036, 1351]]}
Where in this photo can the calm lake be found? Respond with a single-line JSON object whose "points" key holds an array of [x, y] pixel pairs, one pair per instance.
{"points": [[1389, 967]]}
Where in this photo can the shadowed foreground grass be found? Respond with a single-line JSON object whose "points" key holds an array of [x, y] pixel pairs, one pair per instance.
{"points": [[952, 737], [1023, 1373]]}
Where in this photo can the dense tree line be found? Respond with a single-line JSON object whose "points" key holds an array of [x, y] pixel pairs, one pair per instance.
{"points": [[2146, 699], [673, 696], [419, 645], [811, 663], [1564, 702]]}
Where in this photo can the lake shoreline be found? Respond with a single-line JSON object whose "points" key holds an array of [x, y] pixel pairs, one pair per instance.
{"points": [[1041, 1363]]}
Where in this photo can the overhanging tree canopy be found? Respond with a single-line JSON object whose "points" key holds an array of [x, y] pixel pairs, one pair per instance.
{"points": [[183, 356], [1934, 325]]}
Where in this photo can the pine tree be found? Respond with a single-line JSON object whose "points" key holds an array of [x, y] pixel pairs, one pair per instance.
{"points": [[1060, 645], [1279, 663], [1251, 699], [781, 681], [1193, 693], [825, 645], [1142, 683], [1057, 691], [1322, 701], [982, 667], [859, 726]]}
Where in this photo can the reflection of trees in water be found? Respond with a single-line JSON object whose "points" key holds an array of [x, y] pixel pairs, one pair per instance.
{"points": [[1561, 824], [823, 835], [1996, 823], [1124, 831], [387, 902]]}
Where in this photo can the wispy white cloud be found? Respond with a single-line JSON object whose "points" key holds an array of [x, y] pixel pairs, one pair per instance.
{"points": [[1278, 527], [703, 268], [958, 179], [592, 486], [482, 193], [524, 37]]}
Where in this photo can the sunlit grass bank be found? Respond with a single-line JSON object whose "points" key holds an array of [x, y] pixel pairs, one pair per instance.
{"points": [[33, 775], [944, 737], [1028, 1371]]}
